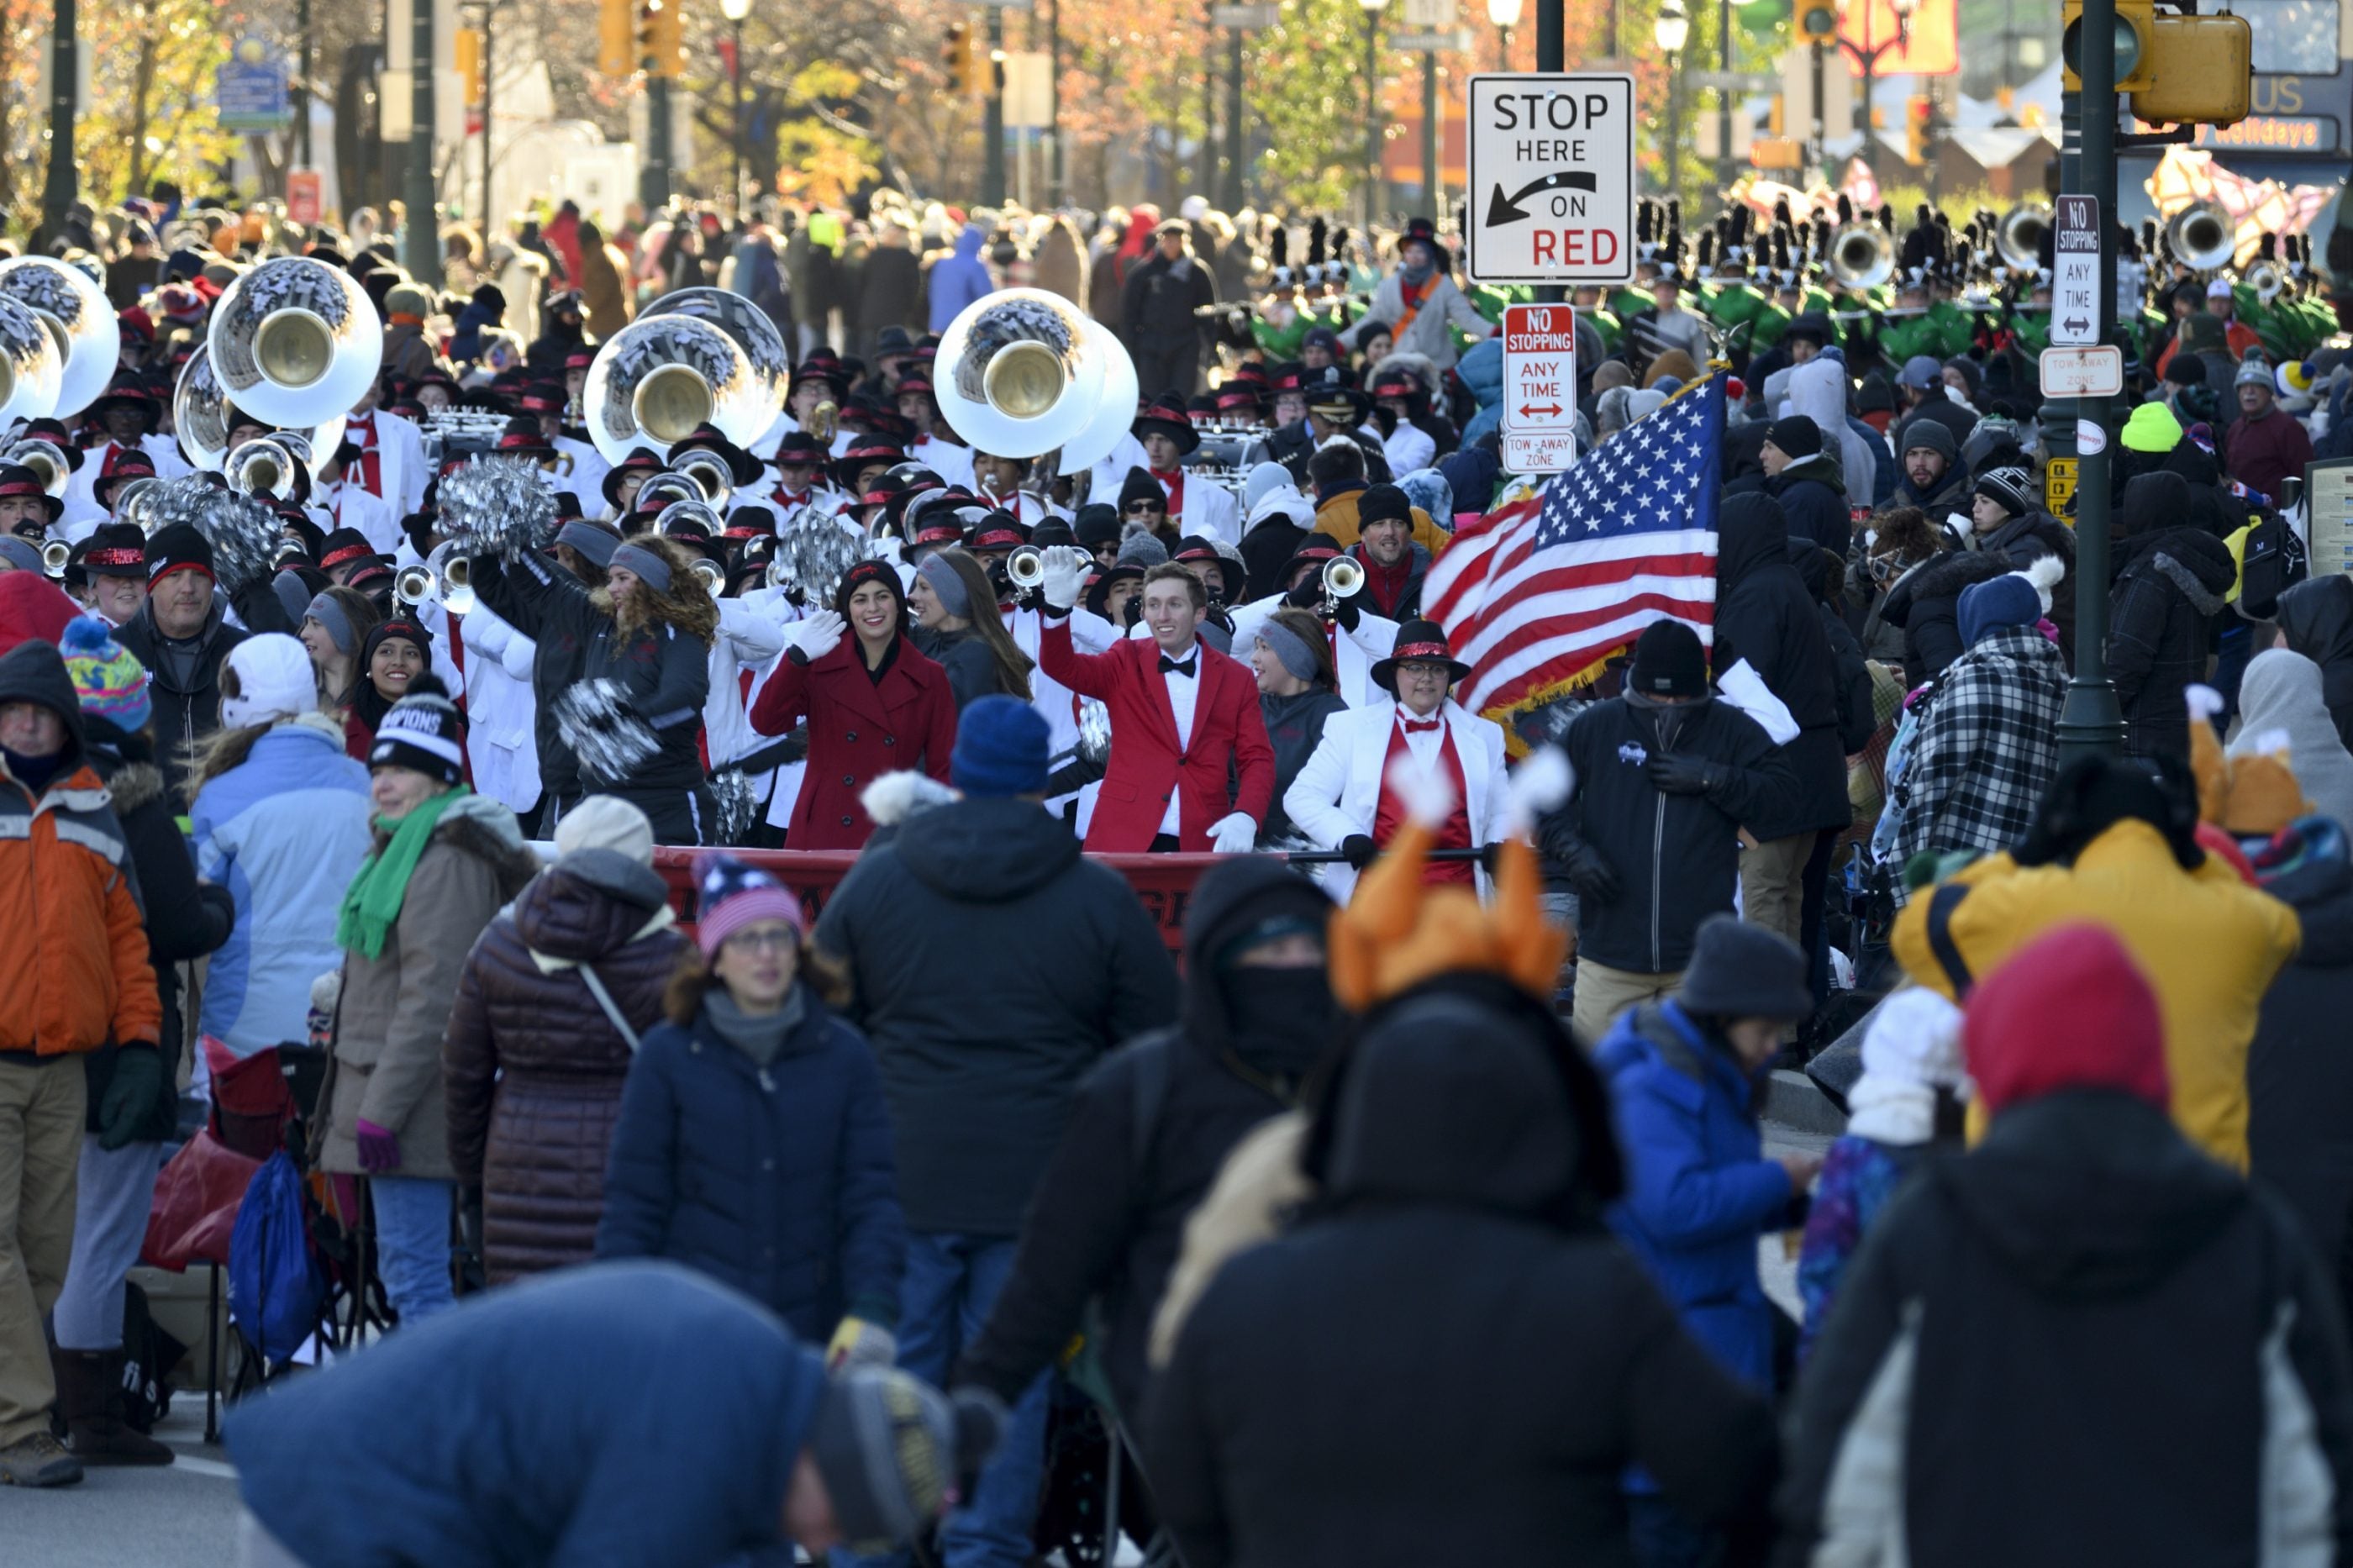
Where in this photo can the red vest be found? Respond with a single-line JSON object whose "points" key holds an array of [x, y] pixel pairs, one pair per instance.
{"points": [[1388, 818]]}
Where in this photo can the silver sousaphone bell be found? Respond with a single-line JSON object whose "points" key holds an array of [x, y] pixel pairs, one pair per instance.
{"points": [[46, 461], [657, 379], [30, 367], [2204, 237], [764, 346], [78, 319], [710, 474], [2019, 234], [263, 468], [295, 342], [1862, 255], [1024, 372], [200, 409]]}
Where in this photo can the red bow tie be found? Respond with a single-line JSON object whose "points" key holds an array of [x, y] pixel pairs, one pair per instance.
{"points": [[1422, 726]]}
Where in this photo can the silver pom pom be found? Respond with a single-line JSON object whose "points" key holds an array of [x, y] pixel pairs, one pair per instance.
{"points": [[245, 536], [182, 500], [738, 807], [604, 731], [498, 506], [814, 552]]}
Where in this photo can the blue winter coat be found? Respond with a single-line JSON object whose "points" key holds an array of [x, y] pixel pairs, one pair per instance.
{"points": [[1699, 1190], [1480, 371], [956, 280], [613, 1416], [778, 1181]]}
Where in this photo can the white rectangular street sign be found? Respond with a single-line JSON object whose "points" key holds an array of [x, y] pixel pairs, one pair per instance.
{"points": [[1454, 40], [1245, 16], [2075, 272], [1539, 425], [1551, 178], [2095, 371]]}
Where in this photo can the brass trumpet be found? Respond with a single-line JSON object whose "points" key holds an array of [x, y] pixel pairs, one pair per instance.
{"points": [[46, 461], [1026, 567]]}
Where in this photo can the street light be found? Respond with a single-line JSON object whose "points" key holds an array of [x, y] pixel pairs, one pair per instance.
{"points": [[1372, 9], [1671, 32], [1505, 15], [735, 11]]}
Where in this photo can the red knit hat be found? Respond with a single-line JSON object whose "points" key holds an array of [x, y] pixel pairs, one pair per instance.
{"points": [[2070, 1010]]}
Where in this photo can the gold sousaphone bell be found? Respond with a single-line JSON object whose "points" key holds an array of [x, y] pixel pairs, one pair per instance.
{"points": [[1024, 372], [295, 342]]}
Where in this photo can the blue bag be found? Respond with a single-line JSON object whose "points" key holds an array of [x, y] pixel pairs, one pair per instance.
{"points": [[275, 1290]]}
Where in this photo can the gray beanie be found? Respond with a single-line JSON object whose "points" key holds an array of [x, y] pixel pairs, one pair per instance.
{"points": [[949, 588], [890, 1448], [1141, 549], [1743, 971], [1932, 435], [21, 553]]}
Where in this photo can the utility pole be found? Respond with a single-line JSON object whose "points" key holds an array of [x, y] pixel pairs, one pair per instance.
{"points": [[1551, 56], [1372, 115], [58, 191], [1057, 192], [484, 218], [1206, 181], [422, 232], [1237, 138], [1723, 100], [301, 84], [992, 185], [1430, 193]]}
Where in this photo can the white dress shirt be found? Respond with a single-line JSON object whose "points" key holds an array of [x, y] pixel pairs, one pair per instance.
{"points": [[1184, 693]]}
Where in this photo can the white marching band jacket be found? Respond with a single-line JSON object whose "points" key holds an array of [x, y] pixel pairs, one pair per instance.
{"points": [[1338, 792]]}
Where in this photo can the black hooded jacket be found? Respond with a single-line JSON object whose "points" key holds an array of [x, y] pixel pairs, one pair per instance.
{"points": [[1448, 1348], [1764, 616], [2316, 618], [1109, 1219], [1926, 602], [2170, 585], [993, 966], [2299, 1075], [184, 676]]}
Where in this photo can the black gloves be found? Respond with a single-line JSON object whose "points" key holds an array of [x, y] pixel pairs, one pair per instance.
{"points": [[1347, 612], [131, 1094], [1359, 850], [1308, 596], [1674, 772], [1588, 873], [1488, 855]]}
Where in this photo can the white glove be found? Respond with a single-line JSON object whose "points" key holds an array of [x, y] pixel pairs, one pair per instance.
{"points": [[1066, 578], [818, 635], [1233, 834]]}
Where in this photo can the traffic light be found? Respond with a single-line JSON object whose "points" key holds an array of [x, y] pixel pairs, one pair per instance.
{"points": [[1918, 112], [960, 54], [1816, 21], [466, 47], [661, 39], [614, 41], [2176, 69]]}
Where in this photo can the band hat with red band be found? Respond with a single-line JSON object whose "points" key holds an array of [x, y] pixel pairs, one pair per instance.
{"points": [[579, 359], [998, 530], [912, 384], [1419, 642], [122, 463], [640, 460], [56, 435], [343, 546], [19, 482], [798, 448], [1167, 416], [116, 550]]}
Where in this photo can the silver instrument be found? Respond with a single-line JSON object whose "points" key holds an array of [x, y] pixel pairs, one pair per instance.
{"points": [[1862, 255], [709, 470], [45, 459], [1344, 578], [54, 556], [415, 585], [712, 575], [261, 468], [1025, 568], [660, 377], [30, 367], [79, 321], [136, 502], [667, 488], [2019, 235], [295, 340], [764, 346], [200, 407], [2204, 237], [1022, 373], [695, 519]]}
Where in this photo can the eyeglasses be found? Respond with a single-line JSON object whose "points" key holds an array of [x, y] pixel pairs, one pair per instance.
{"points": [[781, 939]]}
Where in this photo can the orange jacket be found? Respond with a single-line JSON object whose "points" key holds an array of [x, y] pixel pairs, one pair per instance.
{"points": [[74, 969]]}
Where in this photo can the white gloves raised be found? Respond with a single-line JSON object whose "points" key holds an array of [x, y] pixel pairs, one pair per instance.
{"points": [[1233, 834], [817, 634], [1066, 578]]}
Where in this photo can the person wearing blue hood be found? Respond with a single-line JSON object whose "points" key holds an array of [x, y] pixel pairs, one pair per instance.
{"points": [[958, 279]]}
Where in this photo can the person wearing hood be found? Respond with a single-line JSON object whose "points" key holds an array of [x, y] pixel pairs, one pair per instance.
{"points": [[1766, 620], [1152, 1124], [752, 1143], [1986, 744], [2002, 1320], [1276, 516], [956, 280], [1818, 389], [992, 966], [2171, 581], [2113, 843], [1932, 478], [1461, 1158], [1060, 267], [1921, 384], [1684, 1076], [1804, 478], [2281, 696], [2315, 619], [79, 978], [549, 1012], [444, 861], [1157, 300]]}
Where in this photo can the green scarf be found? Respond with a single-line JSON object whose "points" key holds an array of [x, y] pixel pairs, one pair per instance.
{"points": [[372, 901]]}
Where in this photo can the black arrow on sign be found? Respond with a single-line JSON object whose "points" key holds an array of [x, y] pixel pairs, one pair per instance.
{"points": [[2076, 324], [1501, 209]]}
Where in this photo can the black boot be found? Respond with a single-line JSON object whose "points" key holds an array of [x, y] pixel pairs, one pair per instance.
{"points": [[90, 1397]]}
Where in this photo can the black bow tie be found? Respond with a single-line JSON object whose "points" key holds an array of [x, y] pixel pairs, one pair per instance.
{"points": [[1169, 666]]}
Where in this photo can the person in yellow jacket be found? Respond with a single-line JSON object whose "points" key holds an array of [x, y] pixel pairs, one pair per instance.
{"points": [[2116, 847]]}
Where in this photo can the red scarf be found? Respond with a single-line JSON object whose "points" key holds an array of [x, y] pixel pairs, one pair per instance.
{"points": [[1173, 481], [359, 431]]}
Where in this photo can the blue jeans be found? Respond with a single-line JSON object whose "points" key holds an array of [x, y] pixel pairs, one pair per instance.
{"points": [[951, 1283], [412, 1244]]}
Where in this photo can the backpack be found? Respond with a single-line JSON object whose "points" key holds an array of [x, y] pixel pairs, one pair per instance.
{"points": [[274, 1291]]}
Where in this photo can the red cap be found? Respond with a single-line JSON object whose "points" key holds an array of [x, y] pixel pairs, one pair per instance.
{"points": [[2070, 1010]]}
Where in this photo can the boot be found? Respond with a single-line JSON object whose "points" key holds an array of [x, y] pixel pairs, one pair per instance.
{"points": [[90, 1397], [39, 1460]]}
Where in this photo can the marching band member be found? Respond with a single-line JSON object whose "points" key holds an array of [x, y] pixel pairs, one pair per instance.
{"points": [[1184, 716], [997, 482], [951, 462], [1345, 798], [1355, 636], [392, 464], [349, 504], [1199, 507], [131, 415], [799, 465], [580, 469]]}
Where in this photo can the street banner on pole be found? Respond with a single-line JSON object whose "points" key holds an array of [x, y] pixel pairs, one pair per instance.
{"points": [[304, 196], [1539, 425], [1552, 178]]}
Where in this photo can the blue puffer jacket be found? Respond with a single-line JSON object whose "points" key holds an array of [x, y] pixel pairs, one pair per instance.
{"points": [[1699, 1190], [957, 280], [1480, 371], [284, 832], [778, 1181]]}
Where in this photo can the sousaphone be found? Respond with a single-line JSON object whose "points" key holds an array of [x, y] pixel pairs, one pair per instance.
{"points": [[200, 414], [295, 342], [754, 333], [657, 379], [75, 311], [1024, 372], [29, 365]]}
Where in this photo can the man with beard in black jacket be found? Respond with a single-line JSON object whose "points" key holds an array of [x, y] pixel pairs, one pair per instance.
{"points": [[1152, 1125], [1664, 776], [182, 636], [1803, 476], [994, 966]]}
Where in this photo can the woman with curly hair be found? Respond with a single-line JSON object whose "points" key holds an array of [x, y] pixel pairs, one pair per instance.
{"points": [[644, 640], [958, 626]]}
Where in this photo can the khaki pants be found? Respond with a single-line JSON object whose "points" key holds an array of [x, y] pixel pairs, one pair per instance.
{"points": [[41, 1109], [1603, 993], [1772, 883]]}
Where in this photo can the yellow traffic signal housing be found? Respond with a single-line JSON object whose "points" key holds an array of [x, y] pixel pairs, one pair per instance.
{"points": [[466, 49], [2203, 71], [616, 52], [1915, 128], [2137, 24], [955, 54], [1815, 21], [661, 38]]}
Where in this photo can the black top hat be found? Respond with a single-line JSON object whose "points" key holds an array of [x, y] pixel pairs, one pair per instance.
{"points": [[17, 481], [125, 391], [742, 466], [1419, 642], [1166, 416]]}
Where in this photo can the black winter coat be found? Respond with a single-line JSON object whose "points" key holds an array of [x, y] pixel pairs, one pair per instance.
{"points": [[1813, 503], [2299, 1074], [2316, 618], [2169, 585], [1157, 301], [532, 1068], [1295, 728], [1926, 603], [1266, 550], [1856, 720], [971, 669], [2024, 541], [1941, 407], [185, 676], [890, 291], [2001, 1322], [1109, 1219], [994, 965], [1445, 1352], [1676, 856], [1764, 615], [186, 919]]}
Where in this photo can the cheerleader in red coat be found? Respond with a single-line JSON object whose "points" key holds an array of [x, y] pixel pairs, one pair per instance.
{"points": [[874, 704], [1184, 717]]}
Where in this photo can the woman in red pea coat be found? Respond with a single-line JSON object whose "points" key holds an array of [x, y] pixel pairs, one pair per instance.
{"points": [[874, 704]]}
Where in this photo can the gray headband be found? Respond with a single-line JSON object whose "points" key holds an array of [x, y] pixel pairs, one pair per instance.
{"points": [[1289, 648], [589, 539], [323, 609], [953, 597], [648, 565], [22, 554]]}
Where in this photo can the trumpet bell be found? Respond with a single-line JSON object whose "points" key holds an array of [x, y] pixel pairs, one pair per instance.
{"points": [[764, 346], [2266, 280], [2019, 234], [658, 377], [416, 584], [1862, 255], [79, 320], [295, 340], [54, 554], [709, 473], [44, 458], [2202, 237], [1026, 567], [30, 369], [1020, 373], [692, 519], [453, 577], [1344, 578]]}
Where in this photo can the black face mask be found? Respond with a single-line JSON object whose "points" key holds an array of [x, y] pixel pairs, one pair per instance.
{"points": [[1278, 1019]]}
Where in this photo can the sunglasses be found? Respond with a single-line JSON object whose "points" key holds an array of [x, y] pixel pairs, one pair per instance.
{"points": [[1144, 507]]}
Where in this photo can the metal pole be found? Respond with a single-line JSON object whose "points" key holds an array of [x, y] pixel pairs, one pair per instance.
{"points": [[735, 161], [1372, 117], [301, 83], [1237, 138], [57, 190], [1814, 154], [1206, 184], [1552, 51], [424, 239], [1057, 194], [2091, 721], [1870, 58], [1724, 101], [992, 181], [483, 217], [1431, 198], [1674, 120]]}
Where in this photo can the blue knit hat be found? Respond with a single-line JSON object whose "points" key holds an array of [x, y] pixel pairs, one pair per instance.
{"points": [[1001, 749], [2013, 599]]}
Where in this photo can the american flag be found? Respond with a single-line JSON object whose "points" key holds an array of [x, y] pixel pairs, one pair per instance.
{"points": [[1537, 595]]}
